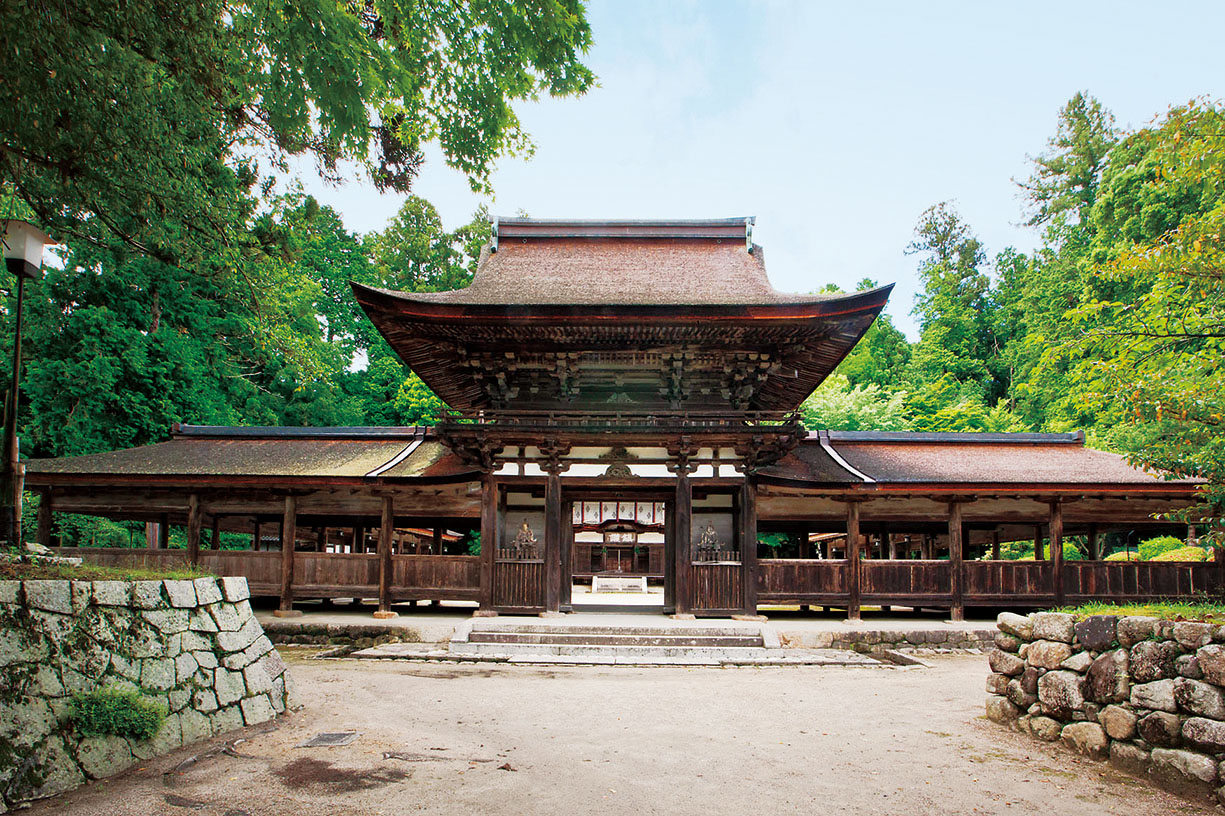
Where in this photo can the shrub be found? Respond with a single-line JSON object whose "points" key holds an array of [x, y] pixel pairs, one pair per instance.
{"points": [[1156, 546], [122, 711], [1182, 554], [1122, 555]]}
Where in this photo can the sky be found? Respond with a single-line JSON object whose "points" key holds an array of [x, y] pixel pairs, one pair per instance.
{"points": [[835, 124]]}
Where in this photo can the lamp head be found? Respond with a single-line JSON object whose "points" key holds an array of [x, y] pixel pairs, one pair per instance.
{"points": [[23, 247]]}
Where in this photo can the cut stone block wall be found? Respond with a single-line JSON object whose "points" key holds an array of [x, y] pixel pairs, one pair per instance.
{"points": [[195, 646], [1147, 695]]}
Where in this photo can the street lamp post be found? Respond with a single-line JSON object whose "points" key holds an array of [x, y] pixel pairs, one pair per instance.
{"points": [[23, 256]]}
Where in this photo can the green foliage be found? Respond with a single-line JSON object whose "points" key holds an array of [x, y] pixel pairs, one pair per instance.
{"points": [[1198, 610], [1153, 547], [145, 121], [1182, 554], [1123, 555], [837, 405], [118, 710], [1065, 178], [416, 404], [89, 572]]}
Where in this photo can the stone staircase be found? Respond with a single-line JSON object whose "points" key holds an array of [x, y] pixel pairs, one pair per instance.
{"points": [[696, 645], [677, 643]]}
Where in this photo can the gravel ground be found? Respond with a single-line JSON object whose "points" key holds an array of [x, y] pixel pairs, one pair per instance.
{"points": [[485, 739]]}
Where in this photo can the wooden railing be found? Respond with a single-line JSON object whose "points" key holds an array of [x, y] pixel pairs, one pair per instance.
{"points": [[985, 583], [778, 581], [315, 575], [439, 577], [805, 581]]}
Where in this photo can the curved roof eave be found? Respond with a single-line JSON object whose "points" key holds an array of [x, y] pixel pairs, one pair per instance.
{"points": [[409, 304]]}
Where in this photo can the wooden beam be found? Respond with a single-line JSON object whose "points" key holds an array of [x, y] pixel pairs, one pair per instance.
{"points": [[852, 561], [956, 544], [1056, 537], [44, 519], [289, 533], [683, 531], [194, 521], [748, 545], [386, 526]]}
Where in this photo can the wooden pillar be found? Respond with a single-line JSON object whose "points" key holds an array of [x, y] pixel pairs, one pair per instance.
{"points": [[194, 522], [44, 520], [436, 543], [892, 546], [552, 540], [1038, 554], [852, 561], [956, 545], [805, 545], [214, 540], [255, 535], [489, 538], [748, 545], [925, 548], [163, 532], [1057, 550], [386, 526], [289, 533], [359, 538], [1095, 544], [1192, 536], [567, 556], [995, 544], [683, 533]]}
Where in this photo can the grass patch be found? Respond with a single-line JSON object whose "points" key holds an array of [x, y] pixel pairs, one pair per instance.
{"points": [[117, 710], [16, 570], [1200, 610]]}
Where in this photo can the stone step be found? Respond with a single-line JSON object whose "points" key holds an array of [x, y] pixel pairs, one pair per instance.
{"points": [[647, 631], [676, 639], [700, 654]]}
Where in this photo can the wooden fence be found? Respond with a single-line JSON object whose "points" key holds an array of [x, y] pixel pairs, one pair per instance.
{"points": [[985, 583], [315, 575]]}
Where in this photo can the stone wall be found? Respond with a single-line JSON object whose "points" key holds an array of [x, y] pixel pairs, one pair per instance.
{"points": [[875, 641], [1143, 693], [195, 646]]}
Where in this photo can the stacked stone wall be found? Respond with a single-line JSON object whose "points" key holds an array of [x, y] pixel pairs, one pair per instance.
{"points": [[875, 641], [1147, 695], [193, 646]]}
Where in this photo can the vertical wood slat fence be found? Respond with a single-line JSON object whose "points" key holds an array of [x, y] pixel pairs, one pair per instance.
{"points": [[717, 588], [520, 584], [986, 583], [315, 575]]}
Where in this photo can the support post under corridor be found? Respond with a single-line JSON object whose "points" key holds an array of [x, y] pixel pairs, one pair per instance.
{"points": [[289, 534]]}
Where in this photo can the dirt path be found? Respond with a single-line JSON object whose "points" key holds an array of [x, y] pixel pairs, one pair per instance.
{"points": [[523, 740]]}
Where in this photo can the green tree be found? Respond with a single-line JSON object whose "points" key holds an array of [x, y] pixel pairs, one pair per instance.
{"points": [[146, 121], [954, 307], [838, 405], [1151, 357], [1065, 178], [880, 357]]}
